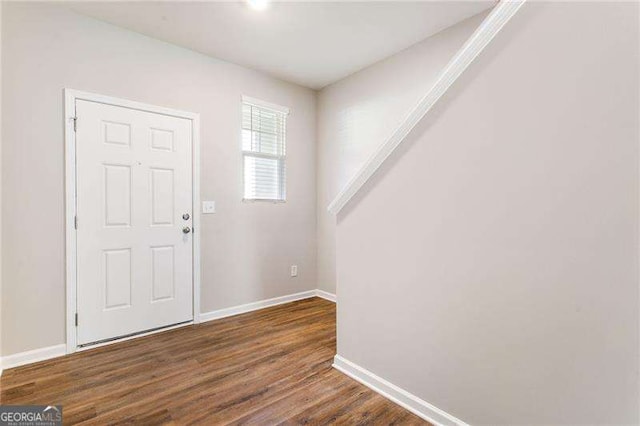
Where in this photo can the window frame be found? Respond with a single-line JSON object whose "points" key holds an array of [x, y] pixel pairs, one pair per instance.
{"points": [[244, 153]]}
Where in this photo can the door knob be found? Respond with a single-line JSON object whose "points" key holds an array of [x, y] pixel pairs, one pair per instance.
{"points": [[186, 229]]}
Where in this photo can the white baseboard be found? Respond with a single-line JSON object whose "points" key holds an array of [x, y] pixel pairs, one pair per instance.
{"points": [[42, 354], [32, 356], [261, 304], [398, 395], [326, 295]]}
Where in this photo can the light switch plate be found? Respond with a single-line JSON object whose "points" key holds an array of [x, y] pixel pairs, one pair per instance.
{"points": [[208, 207], [294, 270]]}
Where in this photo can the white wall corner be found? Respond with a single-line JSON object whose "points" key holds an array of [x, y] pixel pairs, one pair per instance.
{"points": [[326, 295], [396, 394], [492, 24]]}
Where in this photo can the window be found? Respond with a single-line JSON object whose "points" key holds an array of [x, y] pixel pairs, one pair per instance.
{"points": [[263, 150]]}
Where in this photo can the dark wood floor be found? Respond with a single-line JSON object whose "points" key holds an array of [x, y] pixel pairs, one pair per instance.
{"points": [[266, 367]]}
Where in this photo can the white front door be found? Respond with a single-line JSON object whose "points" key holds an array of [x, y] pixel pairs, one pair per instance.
{"points": [[134, 208]]}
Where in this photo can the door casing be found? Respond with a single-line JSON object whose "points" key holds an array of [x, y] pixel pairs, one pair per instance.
{"points": [[70, 98]]}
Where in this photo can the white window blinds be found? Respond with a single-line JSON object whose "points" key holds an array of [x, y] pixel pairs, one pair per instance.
{"points": [[263, 150]]}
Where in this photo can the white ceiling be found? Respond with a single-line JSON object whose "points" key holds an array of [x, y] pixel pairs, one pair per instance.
{"points": [[312, 44]]}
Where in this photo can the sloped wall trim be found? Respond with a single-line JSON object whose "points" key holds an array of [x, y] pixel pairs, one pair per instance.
{"points": [[493, 23]]}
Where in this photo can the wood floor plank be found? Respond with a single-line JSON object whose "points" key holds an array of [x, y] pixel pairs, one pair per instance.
{"points": [[267, 367]]}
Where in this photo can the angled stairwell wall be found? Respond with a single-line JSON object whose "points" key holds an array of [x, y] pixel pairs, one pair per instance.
{"points": [[356, 114], [490, 266]]}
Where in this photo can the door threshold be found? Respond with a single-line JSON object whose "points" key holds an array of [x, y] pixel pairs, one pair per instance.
{"points": [[130, 336]]}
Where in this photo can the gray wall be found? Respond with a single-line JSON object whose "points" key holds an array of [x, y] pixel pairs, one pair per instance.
{"points": [[357, 114], [1, 7], [491, 266], [246, 247]]}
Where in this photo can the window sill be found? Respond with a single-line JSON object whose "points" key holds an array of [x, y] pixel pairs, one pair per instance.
{"points": [[262, 200]]}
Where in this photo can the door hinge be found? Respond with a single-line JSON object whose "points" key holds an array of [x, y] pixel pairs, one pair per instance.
{"points": [[75, 222], [75, 123], [76, 319]]}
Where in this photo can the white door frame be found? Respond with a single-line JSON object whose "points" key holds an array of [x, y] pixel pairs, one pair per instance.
{"points": [[70, 98]]}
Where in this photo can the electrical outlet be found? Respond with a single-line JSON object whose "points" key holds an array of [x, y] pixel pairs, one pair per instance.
{"points": [[294, 270]]}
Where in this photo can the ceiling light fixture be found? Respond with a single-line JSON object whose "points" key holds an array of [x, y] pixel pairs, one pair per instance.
{"points": [[258, 4]]}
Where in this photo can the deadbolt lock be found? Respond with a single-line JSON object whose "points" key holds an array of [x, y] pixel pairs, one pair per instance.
{"points": [[186, 216]]}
